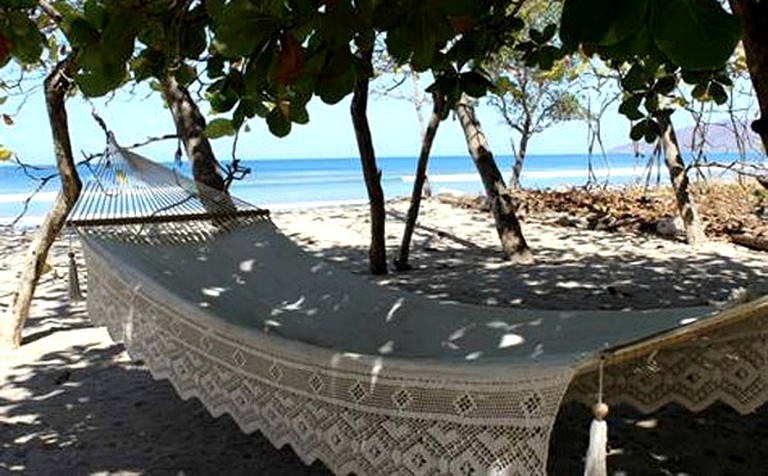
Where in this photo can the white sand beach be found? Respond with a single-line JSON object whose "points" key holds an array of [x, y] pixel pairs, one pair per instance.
{"points": [[72, 402]]}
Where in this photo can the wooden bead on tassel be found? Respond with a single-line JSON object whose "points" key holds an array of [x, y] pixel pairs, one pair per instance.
{"points": [[600, 410]]}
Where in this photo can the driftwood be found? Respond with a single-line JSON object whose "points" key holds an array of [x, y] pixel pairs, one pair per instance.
{"points": [[475, 202], [757, 240]]}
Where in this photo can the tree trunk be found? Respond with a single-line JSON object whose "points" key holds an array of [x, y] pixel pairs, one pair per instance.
{"points": [[377, 253], [502, 205], [438, 104], [57, 85], [190, 127], [694, 231], [517, 169], [754, 22]]}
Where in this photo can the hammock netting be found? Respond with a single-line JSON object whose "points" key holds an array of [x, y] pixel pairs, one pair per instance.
{"points": [[207, 291], [128, 194]]}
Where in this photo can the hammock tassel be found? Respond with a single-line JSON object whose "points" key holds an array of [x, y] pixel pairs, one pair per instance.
{"points": [[75, 294], [597, 452]]}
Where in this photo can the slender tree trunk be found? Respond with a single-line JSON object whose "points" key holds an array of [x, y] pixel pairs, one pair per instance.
{"points": [[694, 230], [377, 253], [754, 22], [57, 85], [502, 205], [190, 127], [517, 169], [438, 105]]}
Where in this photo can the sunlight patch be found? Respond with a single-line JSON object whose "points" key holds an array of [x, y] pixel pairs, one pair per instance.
{"points": [[510, 340], [213, 291], [247, 265], [387, 348], [397, 305]]}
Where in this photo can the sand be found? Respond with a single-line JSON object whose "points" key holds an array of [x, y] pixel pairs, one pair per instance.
{"points": [[72, 402]]}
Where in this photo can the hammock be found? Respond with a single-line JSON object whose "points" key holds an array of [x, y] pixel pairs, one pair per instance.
{"points": [[369, 380]]}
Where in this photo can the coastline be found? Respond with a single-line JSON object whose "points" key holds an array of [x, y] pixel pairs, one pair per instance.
{"points": [[72, 399]]}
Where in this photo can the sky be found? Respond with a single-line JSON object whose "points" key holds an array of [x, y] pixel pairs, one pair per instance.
{"points": [[138, 116]]}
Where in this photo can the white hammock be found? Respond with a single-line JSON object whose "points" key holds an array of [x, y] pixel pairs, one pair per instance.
{"points": [[368, 379]]}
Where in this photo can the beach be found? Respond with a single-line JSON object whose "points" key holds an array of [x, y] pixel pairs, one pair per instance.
{"points": [[73, 402]]}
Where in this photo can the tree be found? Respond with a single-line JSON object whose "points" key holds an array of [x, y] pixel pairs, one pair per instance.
{"points": [[657, 44], [753, 15], [23, 39], [502, 204], [358, 109], [531, 99], [428, 137]]}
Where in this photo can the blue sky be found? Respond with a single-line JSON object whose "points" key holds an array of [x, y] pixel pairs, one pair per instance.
{"points": [[135, 117]]}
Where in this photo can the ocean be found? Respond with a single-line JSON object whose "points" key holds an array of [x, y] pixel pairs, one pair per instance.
{"points": [[294, 183]]}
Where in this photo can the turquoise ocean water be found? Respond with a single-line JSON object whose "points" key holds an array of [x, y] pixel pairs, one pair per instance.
{"points": [[288, 183]]}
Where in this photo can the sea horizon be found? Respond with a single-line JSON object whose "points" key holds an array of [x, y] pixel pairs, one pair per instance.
{"points": [[313, 182]]}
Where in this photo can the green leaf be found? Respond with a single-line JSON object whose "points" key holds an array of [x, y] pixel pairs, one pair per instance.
{"points": [[601, 22], [25, 39], [474, 84], [185, 74], [219, 127], [215, 67], [536, 36], [651, 102], [149, 63], [241, 26], [647, 129], [549, 32], [81, 33], [278, 124], [299, 113], [630, 107], [635, 79], [337, 78], [665, 85], [718, 93], [695, 34], [700, 91], [95, 13], [639, 130], [192, 41]]}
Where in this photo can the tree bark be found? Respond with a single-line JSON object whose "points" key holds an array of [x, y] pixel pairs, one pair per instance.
{"points": [[190, 127], [694, 230], [57, 85], [754, 23], [502, 205], [377, 253], [522, 151], [438, 105]]}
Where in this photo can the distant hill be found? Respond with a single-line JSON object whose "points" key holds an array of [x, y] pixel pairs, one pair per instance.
{"points": [[719, 139]]}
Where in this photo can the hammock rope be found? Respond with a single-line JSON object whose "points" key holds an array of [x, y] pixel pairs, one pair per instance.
{"points": [[127, 189]]}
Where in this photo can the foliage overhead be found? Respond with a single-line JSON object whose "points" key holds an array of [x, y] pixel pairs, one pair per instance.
{"points": [[692, 34], [263, 58], [269, 58], [655, 44]]}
